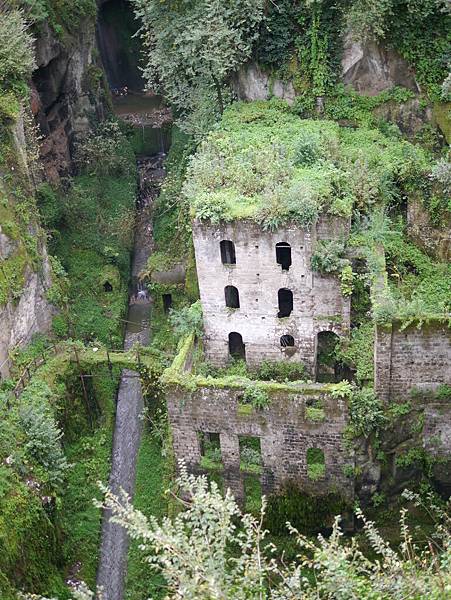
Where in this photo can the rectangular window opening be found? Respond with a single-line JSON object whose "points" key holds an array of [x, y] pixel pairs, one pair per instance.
{"points": [[210, 450], [250, 454]]}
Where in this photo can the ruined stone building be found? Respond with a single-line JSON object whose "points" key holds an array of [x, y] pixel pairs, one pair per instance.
{"points": [[262, 301], [260, 297]]}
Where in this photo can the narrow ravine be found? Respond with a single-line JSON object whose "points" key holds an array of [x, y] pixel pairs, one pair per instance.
{"points": [[128, 426]]}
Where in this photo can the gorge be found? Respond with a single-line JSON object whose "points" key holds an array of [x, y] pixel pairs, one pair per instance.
{"points": [[224, 258]]}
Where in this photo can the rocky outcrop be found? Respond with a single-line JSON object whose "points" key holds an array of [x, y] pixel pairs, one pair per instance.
{"points": [[29, 311], [67, 94], [434, 240], [252, 83], [370, 68], [31, 314]]}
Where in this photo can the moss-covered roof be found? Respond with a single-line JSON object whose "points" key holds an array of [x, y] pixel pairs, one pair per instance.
{"points": [[265, 163]]}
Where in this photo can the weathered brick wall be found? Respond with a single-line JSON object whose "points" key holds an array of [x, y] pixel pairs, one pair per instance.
{"points": [[437, 430], [284, 431], [412, 358], [318, 304]]}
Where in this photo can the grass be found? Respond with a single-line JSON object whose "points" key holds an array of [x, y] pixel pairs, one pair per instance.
{"points": [[149, 498]]}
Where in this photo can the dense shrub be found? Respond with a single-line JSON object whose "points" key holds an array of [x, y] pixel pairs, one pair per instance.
{"points": [[266, 164], [16, 47], [366, 411], [256, 396], [328, 256], [187, 319], [281, 371]]}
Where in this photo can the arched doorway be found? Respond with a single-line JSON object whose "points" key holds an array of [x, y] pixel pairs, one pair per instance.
{"points": [[327, 365], [237, 348]]}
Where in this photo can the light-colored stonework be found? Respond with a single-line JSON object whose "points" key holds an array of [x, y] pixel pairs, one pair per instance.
{"points": [[318, 304]]}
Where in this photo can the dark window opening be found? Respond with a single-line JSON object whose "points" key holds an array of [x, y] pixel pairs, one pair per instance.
{"points": [[107, 287], [316, 464], [167, 302], [232, 297], [250, 454], [283, 255], [210, 450], [236, 346], [328, 368], [286, 340], [285, 302], [228, 252]]}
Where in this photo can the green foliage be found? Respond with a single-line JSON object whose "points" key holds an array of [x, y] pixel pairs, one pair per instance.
{"points": [[264, 163], [443, 392], [9, 108], [420, 286], [316, 467], [96, 219], [65, 16], [150, 499], [328, 256], [306, 513], [315, 415], [187, 320], [42, 435], [366, 412], [16, 49], [358, 352], [102, 152], [300, 42], [50, 207], [193, 48], [256, 397], [281, 371], [346, 277]]}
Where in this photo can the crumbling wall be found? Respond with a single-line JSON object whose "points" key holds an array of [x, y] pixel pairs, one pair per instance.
{"points": [[284, 431], [414, 358], [318, 304]]}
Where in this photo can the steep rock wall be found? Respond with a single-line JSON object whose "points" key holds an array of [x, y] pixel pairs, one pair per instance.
{"points": [[68, 94], [24, 264]]}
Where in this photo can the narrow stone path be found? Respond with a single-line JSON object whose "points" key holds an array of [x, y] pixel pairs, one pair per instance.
{"points": [[112, 569]]}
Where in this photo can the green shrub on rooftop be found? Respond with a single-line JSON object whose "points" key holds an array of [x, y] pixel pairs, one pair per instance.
{"points": [[281, 371], [266, 164]]}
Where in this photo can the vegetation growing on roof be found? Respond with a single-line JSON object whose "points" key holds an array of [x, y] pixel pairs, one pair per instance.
{"points": [[266, 164]]}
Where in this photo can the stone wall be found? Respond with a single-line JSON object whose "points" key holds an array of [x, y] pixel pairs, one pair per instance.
{"points": [[283, 429], [411, 359], [318, 304]]}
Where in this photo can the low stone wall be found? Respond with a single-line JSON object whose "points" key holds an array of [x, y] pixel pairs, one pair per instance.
{"points": [[414, 358]]}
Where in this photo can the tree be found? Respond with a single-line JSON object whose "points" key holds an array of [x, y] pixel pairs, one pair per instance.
{"points": [[193, 47], [16, 47]]}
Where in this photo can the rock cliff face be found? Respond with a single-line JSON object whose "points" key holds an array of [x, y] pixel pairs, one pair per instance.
{"points": [[66, 95], [26, 310]]}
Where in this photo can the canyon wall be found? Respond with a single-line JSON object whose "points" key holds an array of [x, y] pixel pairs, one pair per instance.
{"points": [[67, 95]]}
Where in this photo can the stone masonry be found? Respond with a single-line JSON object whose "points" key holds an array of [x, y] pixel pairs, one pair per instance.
{"points": [[411, 359], [318, 304], [284, 431]]}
